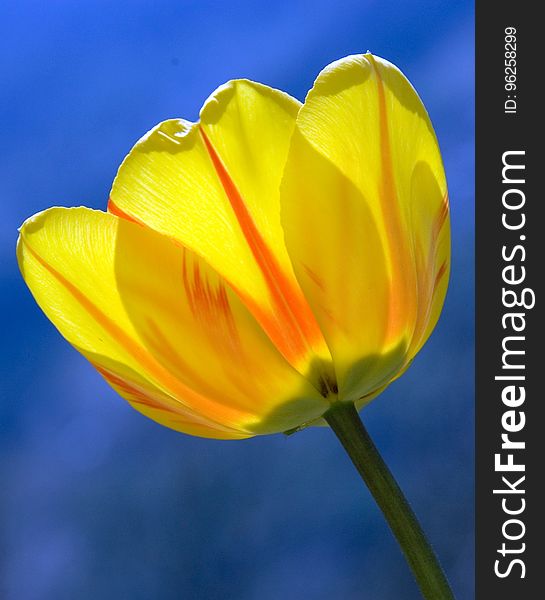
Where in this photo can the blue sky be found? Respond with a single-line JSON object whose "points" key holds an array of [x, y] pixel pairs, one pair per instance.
{"points": [[100, 502]]}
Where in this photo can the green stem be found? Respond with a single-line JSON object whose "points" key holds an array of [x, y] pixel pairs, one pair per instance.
{"points": [[343, 418]]}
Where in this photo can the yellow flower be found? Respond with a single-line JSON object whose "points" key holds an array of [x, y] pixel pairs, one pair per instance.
{"points": [[261, 264]]}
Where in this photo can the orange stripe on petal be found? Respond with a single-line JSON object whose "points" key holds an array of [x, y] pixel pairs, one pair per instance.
{"points": [[115, 210], [402, 301], [173, 415], [141, 355], [293, 328]]}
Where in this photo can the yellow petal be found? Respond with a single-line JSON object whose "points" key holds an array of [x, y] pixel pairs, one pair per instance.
{"points": [[161, 326], [214, 187], [365, 212]]}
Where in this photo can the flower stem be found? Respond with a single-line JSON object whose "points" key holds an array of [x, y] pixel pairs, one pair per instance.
{"points": [[343, 418]]}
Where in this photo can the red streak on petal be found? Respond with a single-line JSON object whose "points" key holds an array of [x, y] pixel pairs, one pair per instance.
{"points": [[442, 270], [438, 222], [440, 218], [135, 393], [314, 278], [427, 277]]}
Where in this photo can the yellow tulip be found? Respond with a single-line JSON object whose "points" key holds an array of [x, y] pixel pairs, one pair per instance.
{"points": [[260, 265]]}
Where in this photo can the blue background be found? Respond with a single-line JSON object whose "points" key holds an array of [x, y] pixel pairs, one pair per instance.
{"points": [[99, 502]]}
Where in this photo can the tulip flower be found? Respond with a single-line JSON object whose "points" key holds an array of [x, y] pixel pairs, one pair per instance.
{"points": [[274, 265]]}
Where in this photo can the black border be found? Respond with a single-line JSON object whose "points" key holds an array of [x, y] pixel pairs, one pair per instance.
{"points": [[496, 133]]}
